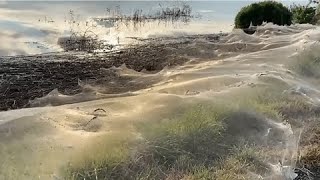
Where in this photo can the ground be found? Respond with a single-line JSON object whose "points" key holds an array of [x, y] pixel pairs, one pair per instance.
{"points": [[200, 107], [25, 78]]}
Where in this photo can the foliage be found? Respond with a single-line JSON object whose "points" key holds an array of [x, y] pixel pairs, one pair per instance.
{"points": [[266, 11], [303, 14]]}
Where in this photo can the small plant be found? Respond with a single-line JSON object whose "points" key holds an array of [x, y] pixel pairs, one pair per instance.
{"points": [[182, 12], [303, 14], [82, 36], [83, 41], [266, 11]]}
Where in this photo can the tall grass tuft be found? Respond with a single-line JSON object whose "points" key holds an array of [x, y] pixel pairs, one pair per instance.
{"points": [[171, 147]]}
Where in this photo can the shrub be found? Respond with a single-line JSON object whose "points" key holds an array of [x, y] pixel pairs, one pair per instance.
{"points": [[303, 14], [267, 11]]}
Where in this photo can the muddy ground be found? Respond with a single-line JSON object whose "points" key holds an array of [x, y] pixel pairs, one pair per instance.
{"points": [[24, 78]]}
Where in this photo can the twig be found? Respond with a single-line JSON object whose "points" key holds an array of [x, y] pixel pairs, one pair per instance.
{"points": [[99, 109], [95, 172], [95, 117]]}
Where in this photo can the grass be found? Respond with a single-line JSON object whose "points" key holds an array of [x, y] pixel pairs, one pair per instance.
{"points": [[100, 157], [307, 63], [196, 145], [169, 148], [21, 150], [310, 158], [310, 149], [208, 141], [238, 165]]}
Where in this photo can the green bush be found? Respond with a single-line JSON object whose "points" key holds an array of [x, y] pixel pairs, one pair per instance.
{"points": [[266, 11], [303, 14]]}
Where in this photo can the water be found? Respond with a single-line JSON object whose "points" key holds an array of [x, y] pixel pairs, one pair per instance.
{"points": [[30, 27]]}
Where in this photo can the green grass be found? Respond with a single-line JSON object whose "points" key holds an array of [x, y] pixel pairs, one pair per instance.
{"points": [[173, 146], [100, 158], [242, 160], [207, 141], [237, 167]]}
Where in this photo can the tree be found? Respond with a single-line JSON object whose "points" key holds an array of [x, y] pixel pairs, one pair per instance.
{"points": [[266, 11]]}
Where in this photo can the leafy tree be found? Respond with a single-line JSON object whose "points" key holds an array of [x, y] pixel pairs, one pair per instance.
{"points": [[303, 14], [266, 11]]}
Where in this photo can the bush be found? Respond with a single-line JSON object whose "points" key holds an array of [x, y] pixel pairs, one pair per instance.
{"points": [[303, 14], [267, 11]]}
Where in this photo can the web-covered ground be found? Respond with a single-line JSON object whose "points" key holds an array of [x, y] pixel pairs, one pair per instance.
{"points": [[254, 101]]}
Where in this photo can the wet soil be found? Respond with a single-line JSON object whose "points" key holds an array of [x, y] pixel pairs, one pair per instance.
{"points": [[24, 78]]}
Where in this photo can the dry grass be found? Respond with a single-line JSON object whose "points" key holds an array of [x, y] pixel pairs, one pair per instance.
{"points": [[307, 63], [310, 149], [301, 113], [311, 157]]}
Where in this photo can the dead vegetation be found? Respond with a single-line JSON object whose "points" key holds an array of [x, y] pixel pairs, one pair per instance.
{"points": [[308, 165], [88, 41], [25, 78], [84, 40], [181, 12]]}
